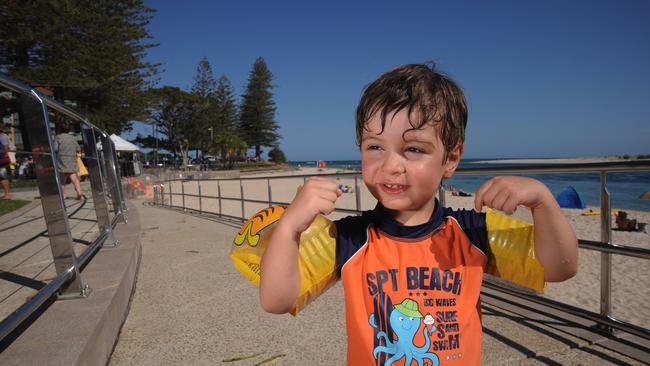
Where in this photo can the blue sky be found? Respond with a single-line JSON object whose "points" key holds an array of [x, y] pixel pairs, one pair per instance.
{"points": [[542, 78]]}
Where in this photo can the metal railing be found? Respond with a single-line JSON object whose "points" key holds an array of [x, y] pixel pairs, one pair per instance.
{"points": [[34, 112], [164, 196]]}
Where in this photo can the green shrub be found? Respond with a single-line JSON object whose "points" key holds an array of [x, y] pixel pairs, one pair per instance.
{"points": [[277, 155]]}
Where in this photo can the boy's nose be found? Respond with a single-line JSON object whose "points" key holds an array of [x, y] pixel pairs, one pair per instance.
{"points": [[393, 164]]}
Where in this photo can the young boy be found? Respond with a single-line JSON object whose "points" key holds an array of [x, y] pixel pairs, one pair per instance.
{"points": [[412, 269]]}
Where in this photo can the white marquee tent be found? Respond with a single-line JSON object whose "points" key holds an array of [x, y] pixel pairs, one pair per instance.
{"points": [[123, 145], [127, 155]]}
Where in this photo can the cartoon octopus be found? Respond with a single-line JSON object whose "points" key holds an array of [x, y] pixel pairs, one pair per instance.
{"points": [[405, 320]]}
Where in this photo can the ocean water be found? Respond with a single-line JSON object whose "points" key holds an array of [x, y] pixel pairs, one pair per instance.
{"points": [[624, 187]]}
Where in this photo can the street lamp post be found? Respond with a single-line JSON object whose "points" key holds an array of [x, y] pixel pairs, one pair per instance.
{"points": [[155, 137], [211, 140]]}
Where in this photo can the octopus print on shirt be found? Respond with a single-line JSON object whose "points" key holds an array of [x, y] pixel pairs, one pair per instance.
{"points": [[412, 293]]}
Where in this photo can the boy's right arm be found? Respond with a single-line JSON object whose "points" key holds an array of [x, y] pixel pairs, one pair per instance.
{"points": [[279, 273]]}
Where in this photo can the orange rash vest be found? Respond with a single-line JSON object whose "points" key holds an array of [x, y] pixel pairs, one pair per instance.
{"points": [[412, 292]]}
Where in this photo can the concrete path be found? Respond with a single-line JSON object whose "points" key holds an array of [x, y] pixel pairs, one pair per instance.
{"points": [[191, 307]]}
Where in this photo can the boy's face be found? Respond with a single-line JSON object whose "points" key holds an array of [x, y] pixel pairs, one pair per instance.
{"points": [[402, 169]]}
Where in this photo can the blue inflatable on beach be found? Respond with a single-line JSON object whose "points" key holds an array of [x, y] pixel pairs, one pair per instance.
{"points": [[570, 198]]}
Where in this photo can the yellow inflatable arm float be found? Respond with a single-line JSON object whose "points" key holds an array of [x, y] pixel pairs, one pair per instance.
{"points": [[512, 248], [511, 244], [317, 253]]}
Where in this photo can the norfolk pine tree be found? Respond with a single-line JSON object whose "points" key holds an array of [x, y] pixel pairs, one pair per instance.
{"points": [[204, 83], [204, 89], [227, 142], [88, 52], [257, 125]]}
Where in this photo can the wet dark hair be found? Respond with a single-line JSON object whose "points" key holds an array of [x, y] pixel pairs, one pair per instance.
{"points": [[418, 88]]}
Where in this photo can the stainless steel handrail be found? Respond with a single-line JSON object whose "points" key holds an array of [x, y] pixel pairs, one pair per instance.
{"points": [[24, 311], [609, 167], [51, 289], [605, 246], [68, 271], [573, 310], [612, 248]]}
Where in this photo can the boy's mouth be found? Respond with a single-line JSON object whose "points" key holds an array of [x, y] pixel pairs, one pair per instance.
{"points": [[393, 188]]}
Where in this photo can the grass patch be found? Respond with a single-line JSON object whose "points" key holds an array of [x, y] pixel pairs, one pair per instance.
{"points": [[245, 166], [24, 183], [262, 165], [7, 206]]}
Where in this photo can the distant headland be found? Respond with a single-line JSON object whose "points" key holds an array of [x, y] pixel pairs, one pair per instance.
{"points": [[577, 160]]}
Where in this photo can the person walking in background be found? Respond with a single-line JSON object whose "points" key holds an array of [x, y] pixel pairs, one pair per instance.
{"points": [[5, 163], [66, 147]]}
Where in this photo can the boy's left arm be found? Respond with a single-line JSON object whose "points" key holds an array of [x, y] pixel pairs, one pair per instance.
{"points": [[556, 245]]}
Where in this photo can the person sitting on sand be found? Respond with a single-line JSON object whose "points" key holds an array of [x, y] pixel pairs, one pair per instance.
{"points": [[623, 223], [410, 256]]}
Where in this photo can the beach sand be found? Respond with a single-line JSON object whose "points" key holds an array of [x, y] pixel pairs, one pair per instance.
{"points": [[630, 290]]}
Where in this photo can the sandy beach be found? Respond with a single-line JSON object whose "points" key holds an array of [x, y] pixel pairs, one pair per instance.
{"points": [[630, 281]]}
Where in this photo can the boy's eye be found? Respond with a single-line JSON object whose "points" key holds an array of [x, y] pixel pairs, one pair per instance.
{"points": [[414, 150], [373, 147]]}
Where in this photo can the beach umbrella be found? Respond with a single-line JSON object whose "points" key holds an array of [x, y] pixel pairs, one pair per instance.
{"points": [[645, 196]]}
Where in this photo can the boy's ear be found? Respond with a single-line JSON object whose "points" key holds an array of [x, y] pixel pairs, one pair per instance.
{"points": [[453, 159]]}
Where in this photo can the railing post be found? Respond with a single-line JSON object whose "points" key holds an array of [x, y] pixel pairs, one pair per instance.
{"points": [[49, 186], [441, 196], [268, 185], [102, 166], [97, 180], [183, 193], [357, 194], [161, 194], [198, 182], [241, 195], [219, 195], [111, 177], [170, 195], [605, 258], [115, 173]]}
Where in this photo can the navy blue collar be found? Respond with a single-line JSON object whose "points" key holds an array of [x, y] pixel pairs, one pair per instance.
{"points": [[382, 219]]}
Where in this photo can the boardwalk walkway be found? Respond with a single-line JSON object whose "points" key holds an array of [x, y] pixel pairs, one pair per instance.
{"points": [[191, 307]]}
